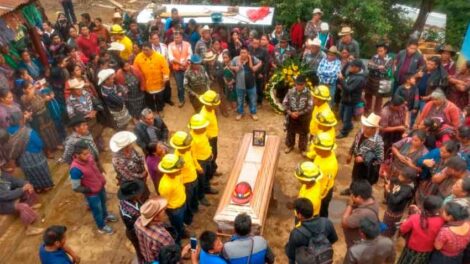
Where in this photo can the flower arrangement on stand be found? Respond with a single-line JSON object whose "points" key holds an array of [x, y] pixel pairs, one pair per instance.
{"points": [[285, 76]]}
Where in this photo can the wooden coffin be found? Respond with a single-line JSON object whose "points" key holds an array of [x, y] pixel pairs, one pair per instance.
{"points": [[257, 166]]}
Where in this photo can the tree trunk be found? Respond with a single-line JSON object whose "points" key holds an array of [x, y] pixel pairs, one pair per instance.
{"points": [[424, 9]]}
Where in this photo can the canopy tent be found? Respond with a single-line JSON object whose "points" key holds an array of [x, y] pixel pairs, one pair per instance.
{"points": [[202, 14]]}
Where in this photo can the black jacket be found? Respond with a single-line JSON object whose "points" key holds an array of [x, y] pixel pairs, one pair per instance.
{"points": [[143, 138], [353, 85], [297, 239]]}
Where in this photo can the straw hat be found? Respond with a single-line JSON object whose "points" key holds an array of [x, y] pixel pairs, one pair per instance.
{"points": [[307, 171], [152, 208], [103, 75], [210, 98], [121, 140], [326, 118], [76, 84], [313, 42], [372, 120], [198, 121], [324, 141], [116, 46], [345, 31], [333, 50], [322, 92], [209, 56], [447, 48], [117, 29], [181, 140], [317, 11], [170, 163]]}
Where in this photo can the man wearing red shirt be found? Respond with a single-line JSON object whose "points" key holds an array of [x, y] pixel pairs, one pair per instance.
{"points": [[87, 42]]}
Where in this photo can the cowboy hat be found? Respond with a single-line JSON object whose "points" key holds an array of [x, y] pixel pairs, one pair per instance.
{"points": [[317, 11], [372, 120], [130, 189], [152, 208], [447, 48], [116, 46], [76, 84], [345, 31], [121, 140], [324, 141], [117, 29], [204, 28], [181, 140], [307, 171], [103, 75], [333, 50], [198, 121], [313, 42], [209, 56], [76, 120], [210, 98], [170, 163]]}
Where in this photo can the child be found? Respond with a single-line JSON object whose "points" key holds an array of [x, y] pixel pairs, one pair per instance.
{"points": [[54, 249], [155, 151], [398, 195], [409, 92]]}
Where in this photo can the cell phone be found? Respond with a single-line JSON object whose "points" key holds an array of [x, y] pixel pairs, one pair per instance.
{"points": [[193, 241]]}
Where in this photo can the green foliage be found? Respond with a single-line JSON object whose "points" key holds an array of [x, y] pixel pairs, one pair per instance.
{"points": [[458, 18]]}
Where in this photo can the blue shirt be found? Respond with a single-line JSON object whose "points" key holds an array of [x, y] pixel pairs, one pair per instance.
{"points": [[423, 84], [35, 144], [53, 257], [208, 258]]}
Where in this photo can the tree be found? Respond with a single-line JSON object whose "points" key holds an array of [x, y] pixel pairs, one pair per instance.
{"points": [[424, 9]]}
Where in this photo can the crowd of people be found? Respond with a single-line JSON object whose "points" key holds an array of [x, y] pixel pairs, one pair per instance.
{"points": [[418, 142]]}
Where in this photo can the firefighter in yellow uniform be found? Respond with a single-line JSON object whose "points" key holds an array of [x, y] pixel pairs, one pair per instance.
{"points": [[309, 175], [321, 99], [325, 158], [326, 122], [210, 101], [171, 188], [181, 142], [202, 152]]}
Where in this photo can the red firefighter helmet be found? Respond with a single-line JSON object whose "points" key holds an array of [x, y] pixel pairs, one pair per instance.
{"points": [[242, 193]]}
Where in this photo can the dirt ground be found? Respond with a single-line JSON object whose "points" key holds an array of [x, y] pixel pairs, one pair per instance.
{"points": [[63, 206]]}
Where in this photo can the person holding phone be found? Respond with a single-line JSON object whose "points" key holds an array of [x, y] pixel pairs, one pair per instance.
{"points": [[211, 247]]}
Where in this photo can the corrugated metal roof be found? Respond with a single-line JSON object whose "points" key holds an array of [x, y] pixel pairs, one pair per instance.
{"points": [[10, 5]]}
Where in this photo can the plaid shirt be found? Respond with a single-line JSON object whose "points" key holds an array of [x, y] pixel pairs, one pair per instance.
{"points": [[129, 168], [152, 238], [328, 71]]}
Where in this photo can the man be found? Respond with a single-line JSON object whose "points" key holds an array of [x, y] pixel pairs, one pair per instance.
{"points": [[204, 44], [174, 17], [46, 34], [313, 26], [210, 101], [373, 248], [278, 33], [361, 205], [135, 34], [282, 52], [150, 229], [309, 176], [347, 42], [80, 132], [196, 82], [101, 31], [130, 196], [172, 189], [447, 52], [379, 66], [179, 54], [150, 128], [243, 247], [118, 35], [351, 95], [69, 10], [433, 76], [54, 250], [298, 105], [321, 99], [262, 73], [156, 72], [162, 49], [88, 42], [309, 227], [211, 248], [86, 178], [329, 70], [408, 60], [313, 55], [245, 67]]}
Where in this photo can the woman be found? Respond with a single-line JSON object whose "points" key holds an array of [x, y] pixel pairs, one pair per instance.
{"points": [[33, 66], [41, 118], [420, 230], [62, 25], [453, 238], [394, 121], [6, 74], [32, 160], [235, 44], [406, 153], [58, 78], [114, 98], [8, 107], [459, 87], [131, 78], [229, 80], [76, 73], [439, 106]]}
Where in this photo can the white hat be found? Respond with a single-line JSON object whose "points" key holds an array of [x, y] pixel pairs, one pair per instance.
{"points": [[317, 11], [345, 31], [372, 120], [313, 42], [117, 15], [104, 74], [121, 140], [324, 26], [116, 46], [204, 28]]}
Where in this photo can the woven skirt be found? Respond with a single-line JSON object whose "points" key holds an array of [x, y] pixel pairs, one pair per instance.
{"points": [[44, 125], [390, 219], [121, 118], [36, 170], [409, 256], [135, 105]]}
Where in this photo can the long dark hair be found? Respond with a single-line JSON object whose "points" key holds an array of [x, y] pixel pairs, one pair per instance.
{"points": [[431, 205]]}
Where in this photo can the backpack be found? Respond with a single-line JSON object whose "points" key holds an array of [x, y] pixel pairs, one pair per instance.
{"points": [[319, 249]]}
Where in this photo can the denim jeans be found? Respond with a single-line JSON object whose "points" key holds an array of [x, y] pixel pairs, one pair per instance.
{"points": [[241, 93], [332, 93], [97, 204], [346, 113], [176, 217], [179, 79]]}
